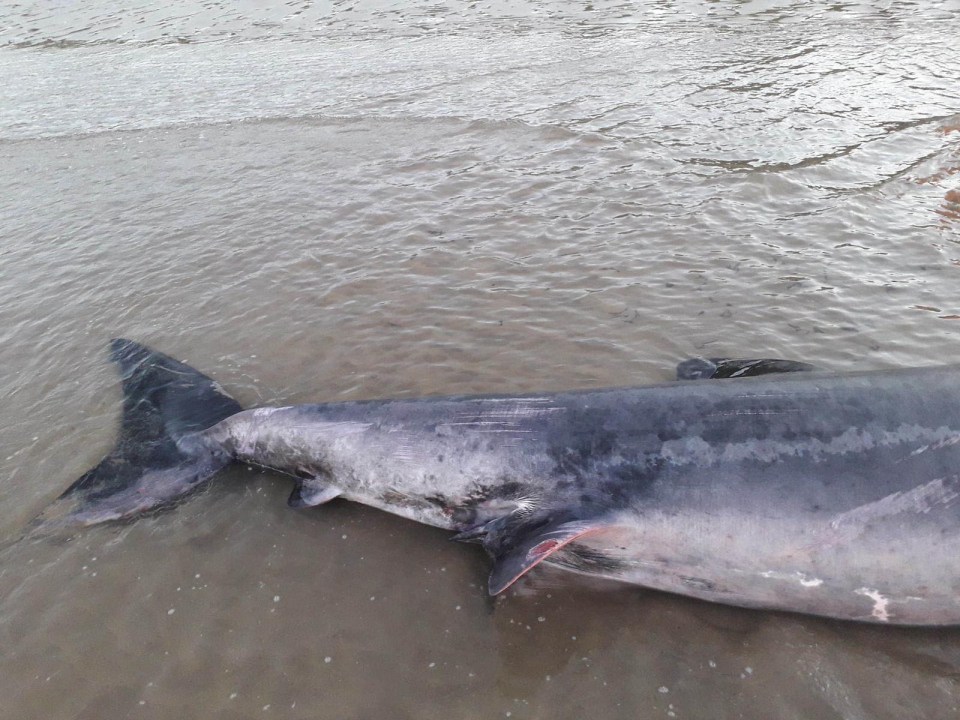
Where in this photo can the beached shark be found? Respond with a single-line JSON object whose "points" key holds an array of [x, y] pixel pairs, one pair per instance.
{"points": [[814, 492]]}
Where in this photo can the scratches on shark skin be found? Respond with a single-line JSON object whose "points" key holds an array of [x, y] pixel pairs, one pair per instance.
{"points": [[504, 415], [489, 426], [847, 526], [534, 403], [580, 558], [752, 411], [394, 497], [940, 444], [336, 429], [407, 451], [921, 499]]}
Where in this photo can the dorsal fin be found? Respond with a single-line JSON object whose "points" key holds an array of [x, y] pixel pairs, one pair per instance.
{"points": [[720, 368]]}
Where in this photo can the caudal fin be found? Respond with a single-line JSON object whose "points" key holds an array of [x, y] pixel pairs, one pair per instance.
{"points": [[158, 456]]}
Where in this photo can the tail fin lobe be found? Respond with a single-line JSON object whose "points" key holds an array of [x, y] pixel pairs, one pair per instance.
{"points": [[157, 457]]}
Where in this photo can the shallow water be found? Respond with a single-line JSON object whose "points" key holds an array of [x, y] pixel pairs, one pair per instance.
{"points": [[370, 199]]}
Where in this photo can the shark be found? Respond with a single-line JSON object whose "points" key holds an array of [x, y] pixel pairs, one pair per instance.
{"points": [[759, 483]]}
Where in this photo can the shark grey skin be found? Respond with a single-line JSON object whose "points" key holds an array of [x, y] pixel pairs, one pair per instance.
{"points": [[828, 494]]}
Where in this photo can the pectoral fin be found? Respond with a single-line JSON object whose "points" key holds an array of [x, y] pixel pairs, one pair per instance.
{"points": [[511, 563], [312, 491]]}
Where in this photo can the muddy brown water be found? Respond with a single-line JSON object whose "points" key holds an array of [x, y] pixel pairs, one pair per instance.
{"points": [[368, 199]]}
